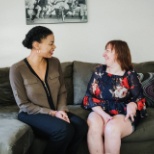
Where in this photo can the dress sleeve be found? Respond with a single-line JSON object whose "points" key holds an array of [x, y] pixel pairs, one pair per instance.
{"points": [[92, 97], [136, 91]]}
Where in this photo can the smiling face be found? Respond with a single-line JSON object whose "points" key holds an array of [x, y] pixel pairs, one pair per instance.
{"points": [[47, 46], [109, 55]]}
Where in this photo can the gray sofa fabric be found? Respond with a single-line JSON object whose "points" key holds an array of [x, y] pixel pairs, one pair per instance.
{"points": [[15, 136], [81, 75], [18, 138]]}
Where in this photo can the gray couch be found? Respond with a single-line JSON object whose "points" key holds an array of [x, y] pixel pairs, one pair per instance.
{"points": [[18, 138]]}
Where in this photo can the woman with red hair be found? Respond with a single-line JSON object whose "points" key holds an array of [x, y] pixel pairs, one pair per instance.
{"points": [[115, 97]]}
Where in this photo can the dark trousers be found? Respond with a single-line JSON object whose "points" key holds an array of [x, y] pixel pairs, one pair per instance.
{"points": [[63, 137]]}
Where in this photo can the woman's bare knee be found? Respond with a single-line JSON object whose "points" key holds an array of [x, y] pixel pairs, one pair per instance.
{"points": [[112, 128], [95, 123], [118, 126], [94, 119]]}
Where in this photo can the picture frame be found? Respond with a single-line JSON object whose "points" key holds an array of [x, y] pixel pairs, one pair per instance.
{"points": [[55, 11]]}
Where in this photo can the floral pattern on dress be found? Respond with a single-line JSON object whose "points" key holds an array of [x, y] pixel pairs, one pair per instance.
{"points": [[114, 92]]}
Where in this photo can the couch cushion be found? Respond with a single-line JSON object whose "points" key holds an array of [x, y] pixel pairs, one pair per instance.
{"points": [[81, 77], [6, 94], [15, 136], [144, 67], [144, 131], [67, 69], [9, 112], [147, 80], [79, 111]]}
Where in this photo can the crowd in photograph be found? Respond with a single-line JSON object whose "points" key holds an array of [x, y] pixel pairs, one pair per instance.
{"points": [[60, 9]]}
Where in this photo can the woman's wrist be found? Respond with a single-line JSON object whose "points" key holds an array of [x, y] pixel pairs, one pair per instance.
{"points": [[52, 113], [134, 104]]}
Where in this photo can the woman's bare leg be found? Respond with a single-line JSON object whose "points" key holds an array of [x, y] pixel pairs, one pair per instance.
{"points": [[116, 129], [95, 134]]}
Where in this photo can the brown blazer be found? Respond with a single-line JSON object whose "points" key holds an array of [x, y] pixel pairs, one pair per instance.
{"points": [[29, 92]]}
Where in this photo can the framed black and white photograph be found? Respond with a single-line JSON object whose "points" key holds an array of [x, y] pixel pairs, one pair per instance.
{"points": [[55, 11]]}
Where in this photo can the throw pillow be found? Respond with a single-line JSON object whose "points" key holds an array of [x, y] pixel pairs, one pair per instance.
{"points": [[147, 81]]}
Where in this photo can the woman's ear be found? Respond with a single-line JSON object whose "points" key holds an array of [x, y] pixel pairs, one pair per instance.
{"points": [[35, 45]]}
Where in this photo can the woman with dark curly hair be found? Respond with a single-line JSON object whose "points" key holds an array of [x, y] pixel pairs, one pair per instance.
{"points": [[38, 86]]}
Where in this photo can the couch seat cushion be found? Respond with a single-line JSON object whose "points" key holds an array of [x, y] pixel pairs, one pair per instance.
{"points": [[79, 111], [144, 131]]}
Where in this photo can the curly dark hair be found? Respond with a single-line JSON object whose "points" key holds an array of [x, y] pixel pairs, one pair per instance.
{"points": [[123, 53], [35, 34]]}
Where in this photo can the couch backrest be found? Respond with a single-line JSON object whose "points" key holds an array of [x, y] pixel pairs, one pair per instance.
{"points": [[144, 67], [67, 68], [82, 72], [6, 94], [76, 75]]}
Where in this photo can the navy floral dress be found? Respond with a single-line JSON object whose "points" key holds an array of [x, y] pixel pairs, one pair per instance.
{"points": [[114, 92]]}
